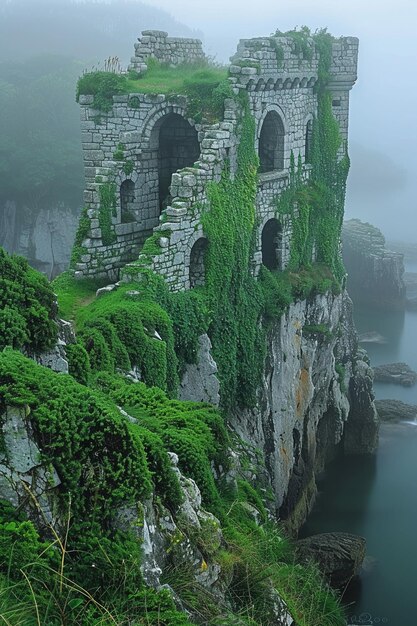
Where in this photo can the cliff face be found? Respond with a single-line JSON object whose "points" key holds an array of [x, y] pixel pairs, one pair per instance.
{"points": [[44, 237], [375, 274], [316, 401]]}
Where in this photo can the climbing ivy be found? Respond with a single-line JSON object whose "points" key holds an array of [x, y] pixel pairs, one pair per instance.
{"points": [[234, 296], [317, 206], [83, 229]]}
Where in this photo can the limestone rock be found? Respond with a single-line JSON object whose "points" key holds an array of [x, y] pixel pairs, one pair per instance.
{"points": [[398, 373], [338, 555], [375, 274], [395, 410], [199, 382], [21, 469]]}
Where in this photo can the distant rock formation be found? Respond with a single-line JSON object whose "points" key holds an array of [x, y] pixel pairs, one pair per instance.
{"points": [[375, 274], [395, 411], [44, 237], [398, 373]]}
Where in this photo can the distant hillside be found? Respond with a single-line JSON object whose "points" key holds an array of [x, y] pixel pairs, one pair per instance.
{"points": [[86, 30]]}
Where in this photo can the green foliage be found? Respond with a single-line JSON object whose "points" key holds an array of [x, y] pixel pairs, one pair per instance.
{"points": [[341, 374], [195, 432], [279, 51], [103, 86], [206, 96], [73, 294], [303, 44], [128, 167], [19, 541], [190, 318], [78, 362], [26, 306], [119, 153], [107, 210], [234, 297], [82, 233], [81, 433], [317, 330], [205, 85]]}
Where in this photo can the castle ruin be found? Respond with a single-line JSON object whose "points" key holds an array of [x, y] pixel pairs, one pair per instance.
{"points": [[158, 160]]}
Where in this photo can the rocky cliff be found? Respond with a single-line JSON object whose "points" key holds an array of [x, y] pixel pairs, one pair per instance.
{"points": [[44, 237], [375, 274], [316, 401]]}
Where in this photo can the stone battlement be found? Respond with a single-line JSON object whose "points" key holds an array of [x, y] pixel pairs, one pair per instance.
{"points": [[153, 162], [155, 44]]}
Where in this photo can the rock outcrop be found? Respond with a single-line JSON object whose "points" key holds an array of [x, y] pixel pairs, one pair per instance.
{"points": [[398, 373], [338, 555], [44, 237], [199, 382], [395, 411], [316, 401], [375, 275]]}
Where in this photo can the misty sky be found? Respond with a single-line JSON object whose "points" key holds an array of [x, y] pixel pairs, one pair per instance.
{"points": [[383, 128]]}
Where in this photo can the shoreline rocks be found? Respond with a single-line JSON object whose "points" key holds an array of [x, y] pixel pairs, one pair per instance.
{"points": [[338, 555], [398, 373], [395, 410], [375, 274]]}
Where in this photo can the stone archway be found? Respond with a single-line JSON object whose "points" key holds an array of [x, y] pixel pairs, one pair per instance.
{"points": [[178, 147], [272, 245], [197, 266], [272, 143]]}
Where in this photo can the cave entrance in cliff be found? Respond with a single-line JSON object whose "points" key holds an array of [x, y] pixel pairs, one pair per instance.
{"points": [[271, 143], [197, 266], [272, 245], [127, 199], [178, 147]]}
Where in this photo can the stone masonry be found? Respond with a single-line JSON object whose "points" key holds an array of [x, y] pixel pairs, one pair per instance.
{"points": [[170, 159]]}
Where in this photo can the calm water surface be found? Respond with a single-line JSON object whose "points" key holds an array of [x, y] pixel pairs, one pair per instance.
{"points": [[377, 498]]}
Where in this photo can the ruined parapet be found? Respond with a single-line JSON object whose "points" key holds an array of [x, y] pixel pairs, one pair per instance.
{"points": [[343, 75], [155, 44], [273, 63]]}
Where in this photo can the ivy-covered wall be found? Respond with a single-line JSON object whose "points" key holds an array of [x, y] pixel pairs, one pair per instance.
{"points": [[282, 76]]}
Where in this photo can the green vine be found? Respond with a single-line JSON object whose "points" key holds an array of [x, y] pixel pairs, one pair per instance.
{"points": [[234, 296], [82, 233]]}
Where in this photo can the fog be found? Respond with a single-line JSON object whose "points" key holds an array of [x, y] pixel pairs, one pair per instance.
{"points": [[45, 44]]}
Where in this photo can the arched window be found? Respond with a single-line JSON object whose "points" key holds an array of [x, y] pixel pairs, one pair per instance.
{"points": [[178, 147], [197, 269], [272, 245], [309, 140], [127, 199], [271, 143]]}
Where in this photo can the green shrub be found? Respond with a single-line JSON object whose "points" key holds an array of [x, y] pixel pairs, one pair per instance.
{"points": [[78, 362], [103, 86], [26, 306]]}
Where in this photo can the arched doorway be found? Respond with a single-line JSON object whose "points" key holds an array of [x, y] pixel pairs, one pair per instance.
{"points": [[197, 268], [272, 143], [127, 199], [178, 147], [272, 245]]}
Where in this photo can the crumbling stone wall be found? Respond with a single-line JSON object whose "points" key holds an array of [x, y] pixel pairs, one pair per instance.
{"points": [[156, 44], [150, 141]]}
